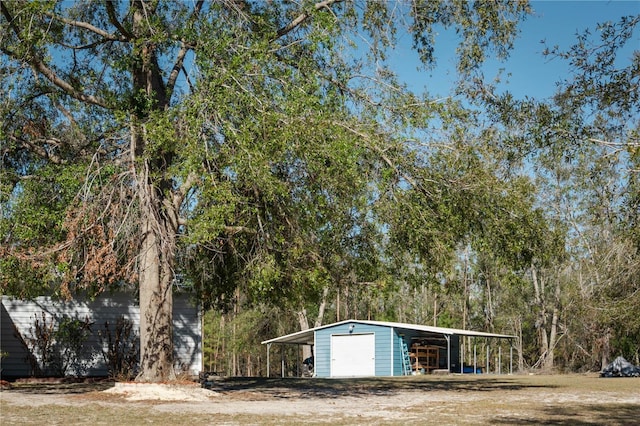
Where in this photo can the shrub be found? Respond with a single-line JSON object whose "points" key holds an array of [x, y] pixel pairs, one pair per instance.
{"points": [[58, 347], [121, 349], [70, 339]]}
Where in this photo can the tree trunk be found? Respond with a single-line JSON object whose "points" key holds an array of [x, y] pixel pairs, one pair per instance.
{"points": [[156, 292], [158, 215], [346, 302], [519, 345], [234, 354], [604, 361], [303, 320], [221, 345], [553, 333], [541, 322], [323, 306], [489, 308]]}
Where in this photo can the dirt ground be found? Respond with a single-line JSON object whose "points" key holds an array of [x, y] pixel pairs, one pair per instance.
{"points": [[442, 400]]}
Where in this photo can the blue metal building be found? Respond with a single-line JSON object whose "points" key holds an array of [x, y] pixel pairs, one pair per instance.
{"points": [[358, 348]]}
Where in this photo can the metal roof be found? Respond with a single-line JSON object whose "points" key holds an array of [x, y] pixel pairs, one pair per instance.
{"points": [[306, 337]]}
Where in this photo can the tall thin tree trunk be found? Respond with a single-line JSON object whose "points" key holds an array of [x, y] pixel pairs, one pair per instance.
{"points": [[322, 307], [220, 346], [604, 361], [435, 309], [541, 323], [303, 321], [346, 302], [489, 313], [553, 333], [465, 301], [234, 355]]}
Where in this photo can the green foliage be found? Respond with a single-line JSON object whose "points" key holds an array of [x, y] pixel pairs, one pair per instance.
{"points": [[70, 339], [23, 279], [231, 344], [580, 147], [36, 207], [267, 158], [271, 109]]}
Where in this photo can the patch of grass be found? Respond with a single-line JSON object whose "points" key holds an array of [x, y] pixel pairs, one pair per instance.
{"points": [[128, 414], [576, 415]]}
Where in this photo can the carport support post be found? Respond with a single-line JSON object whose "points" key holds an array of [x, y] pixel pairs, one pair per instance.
{"points": [[448, 353], [461, 357], [487, 357], [475, 359], [268, 360], [510, 357]]}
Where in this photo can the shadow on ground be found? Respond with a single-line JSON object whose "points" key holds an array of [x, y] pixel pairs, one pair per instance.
{"points": [[283, 388], [578, 415], [364, 387], [60, 388]]}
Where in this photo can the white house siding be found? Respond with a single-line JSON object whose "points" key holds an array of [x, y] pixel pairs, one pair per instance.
{"points": [[18, 318]]}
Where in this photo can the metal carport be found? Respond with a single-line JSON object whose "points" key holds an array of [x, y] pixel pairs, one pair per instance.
{"points": [[307, 337]]}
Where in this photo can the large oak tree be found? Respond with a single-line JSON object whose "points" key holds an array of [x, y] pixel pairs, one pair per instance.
{"points": [[137, 134]]}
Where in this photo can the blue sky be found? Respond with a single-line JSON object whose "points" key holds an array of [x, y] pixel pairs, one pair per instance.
{"points": [[531, 74]]}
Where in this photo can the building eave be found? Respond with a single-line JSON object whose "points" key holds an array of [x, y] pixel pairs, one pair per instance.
{"points": [[306, 337]]}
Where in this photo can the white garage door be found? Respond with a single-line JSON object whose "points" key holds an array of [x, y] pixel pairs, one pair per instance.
{"points": [[353, 355]]}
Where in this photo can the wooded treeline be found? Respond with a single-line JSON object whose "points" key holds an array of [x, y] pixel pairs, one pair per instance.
{"points": [[266, 156]]}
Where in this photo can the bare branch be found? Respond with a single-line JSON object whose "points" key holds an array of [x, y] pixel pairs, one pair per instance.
{"points": [[178, 64], [65, 86], [303, 17], [85, 46], [232, 230], [87, 26], [614, 144], [114, 20]]}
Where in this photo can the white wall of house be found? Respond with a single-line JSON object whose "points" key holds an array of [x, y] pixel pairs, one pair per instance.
{"points": [[18, 317]]}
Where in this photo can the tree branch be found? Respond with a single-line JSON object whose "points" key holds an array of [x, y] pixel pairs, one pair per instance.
{"points": [[303, 17], [66, 87], [39, 150], [47, 72], [87, 26], [177, 67], [114, 20], [178, 64], [614, 144], [380, 152], [181, 193], [232, 230]]}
